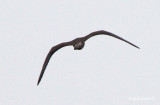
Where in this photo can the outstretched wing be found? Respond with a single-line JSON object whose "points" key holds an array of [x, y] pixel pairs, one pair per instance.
{"points": [[107, 33], [51, 52]]}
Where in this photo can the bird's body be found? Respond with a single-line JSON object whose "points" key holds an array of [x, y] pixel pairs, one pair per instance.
{"points": [[78, 44]]}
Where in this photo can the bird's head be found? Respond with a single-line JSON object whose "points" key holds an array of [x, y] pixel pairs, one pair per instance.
{"points": [[79, 45]]}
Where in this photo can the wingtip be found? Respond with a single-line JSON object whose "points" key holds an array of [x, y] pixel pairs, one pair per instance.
{"points": [[134, 45], [38, 83], [137, 47]]}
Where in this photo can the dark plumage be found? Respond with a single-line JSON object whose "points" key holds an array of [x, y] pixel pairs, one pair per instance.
{"points": [[78, 44]]}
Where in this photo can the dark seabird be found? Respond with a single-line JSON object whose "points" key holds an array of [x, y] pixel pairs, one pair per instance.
{"points": [[78, 44]]}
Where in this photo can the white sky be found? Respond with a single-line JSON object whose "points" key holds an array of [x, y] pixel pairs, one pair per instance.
{"points": [[106, 72]]}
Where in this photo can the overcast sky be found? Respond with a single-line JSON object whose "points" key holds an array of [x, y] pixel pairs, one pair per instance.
{"points": [[106, 72]]}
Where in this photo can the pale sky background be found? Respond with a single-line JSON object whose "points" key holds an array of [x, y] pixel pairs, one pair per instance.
{"points": [[106, 72]]}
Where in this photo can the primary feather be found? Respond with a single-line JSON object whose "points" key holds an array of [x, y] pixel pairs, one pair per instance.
{"points": [[51, 52], [109, 34]]}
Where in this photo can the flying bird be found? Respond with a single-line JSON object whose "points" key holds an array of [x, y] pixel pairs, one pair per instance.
{"points": [[78, 44]]}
